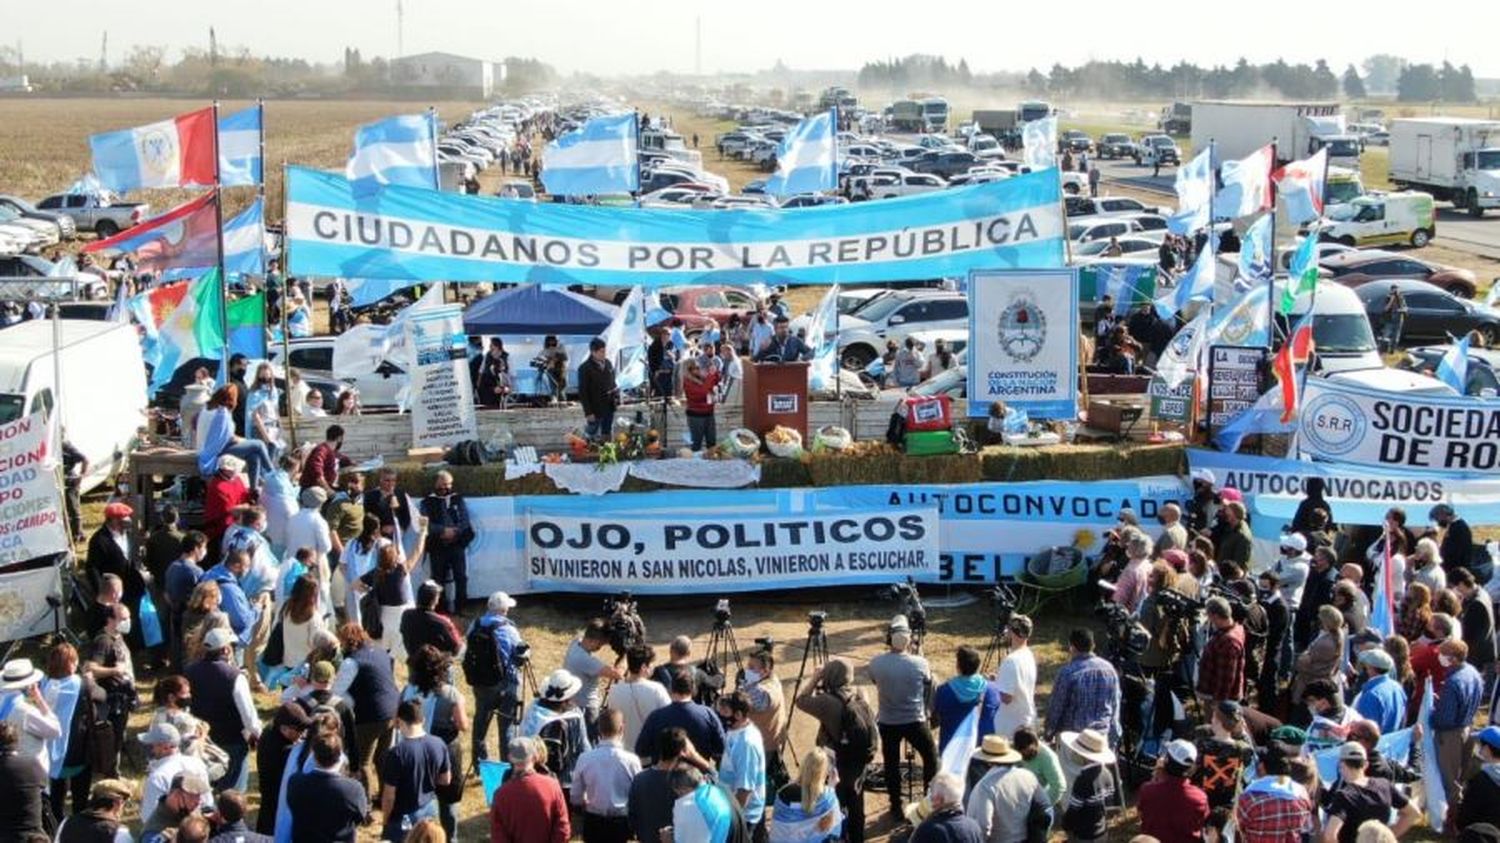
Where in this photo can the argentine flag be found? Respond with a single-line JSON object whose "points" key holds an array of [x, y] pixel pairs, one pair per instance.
{"points": [[239, 148], [597, 159], [396, 150], [806, 161], [1197, 284], [1453, 368], [245, 241], [1195, 193], [1039, 143]]}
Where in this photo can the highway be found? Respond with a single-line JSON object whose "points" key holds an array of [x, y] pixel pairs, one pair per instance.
{"points": [[1455, 230]]}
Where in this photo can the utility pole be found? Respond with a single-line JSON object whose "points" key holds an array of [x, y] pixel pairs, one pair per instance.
{"points": [[213, 48], [400, 40], [698, 47], [104, 53]]}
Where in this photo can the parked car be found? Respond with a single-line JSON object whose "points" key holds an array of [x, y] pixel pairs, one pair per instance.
{"points": [[98, 213], [944, 162], [1101, 229], [516, 189], [1116, 145], [66, 228], [1157, 148], [34, 266], [1432, 314], [1128, 246], [911, 184], [812, 200], [1324, 251], [1356, 267], [862, 336], [1484, 363], [313, 357], [695, 306]]}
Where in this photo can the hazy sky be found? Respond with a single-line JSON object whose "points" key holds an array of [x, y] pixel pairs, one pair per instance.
{"points": [[617, 36]]}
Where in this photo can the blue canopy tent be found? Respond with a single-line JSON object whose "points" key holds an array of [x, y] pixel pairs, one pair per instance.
{"points": [[523, 316], [531, 310]]}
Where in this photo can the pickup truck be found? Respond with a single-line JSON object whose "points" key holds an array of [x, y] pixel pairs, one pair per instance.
{"points": [[1116, 145], [1154, 148], [96, 213]]}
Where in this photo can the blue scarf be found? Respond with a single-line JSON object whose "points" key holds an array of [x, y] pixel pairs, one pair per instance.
{"points": [[713, 803], [967, 688]]}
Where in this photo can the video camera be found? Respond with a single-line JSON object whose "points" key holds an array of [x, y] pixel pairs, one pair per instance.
{"points": [[721, 612], [911, 606], [521, 653], [1175, 604], [815, 619], [1005, 604], [626, 629]]}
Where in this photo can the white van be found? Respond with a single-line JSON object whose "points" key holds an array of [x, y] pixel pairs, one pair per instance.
{"points": [[1342, 336], [103, 392]]}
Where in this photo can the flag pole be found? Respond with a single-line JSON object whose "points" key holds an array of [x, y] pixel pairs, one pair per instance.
{"points": [[1271, 248], [437, 175], [219, 242], [286, 286]]}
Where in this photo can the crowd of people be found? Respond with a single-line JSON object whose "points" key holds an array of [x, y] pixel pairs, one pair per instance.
{"points": [[1332, 694]]}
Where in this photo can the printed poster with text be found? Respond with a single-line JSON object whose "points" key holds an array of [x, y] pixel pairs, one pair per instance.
{"points": [[32, 528], [442, 405], [1023, 341]]}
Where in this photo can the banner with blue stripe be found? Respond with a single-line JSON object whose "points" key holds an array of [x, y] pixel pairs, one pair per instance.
{"points": [[408, 233], [597, 159]]}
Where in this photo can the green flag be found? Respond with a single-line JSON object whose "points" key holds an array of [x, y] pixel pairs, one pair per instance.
{"points": [[247, 326]]}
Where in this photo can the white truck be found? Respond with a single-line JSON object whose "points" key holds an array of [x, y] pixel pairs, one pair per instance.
{"points": [[100, 213], [1453, 158], [1239, 127], [102, 396]]}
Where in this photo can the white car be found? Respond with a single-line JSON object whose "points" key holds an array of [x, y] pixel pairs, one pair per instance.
{"points": [[895, 315], [314, 356], [1090, 230], [911, 184], [1128, 246]]}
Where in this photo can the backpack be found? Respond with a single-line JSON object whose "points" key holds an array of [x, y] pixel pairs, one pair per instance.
{"points": [[858, 734], [562, 750], [483, 667]]}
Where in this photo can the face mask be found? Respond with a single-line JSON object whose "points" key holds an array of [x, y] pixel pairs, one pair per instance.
{"points": [[752, 676], [124, 627]]}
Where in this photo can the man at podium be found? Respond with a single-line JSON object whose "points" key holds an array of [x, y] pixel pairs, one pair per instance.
{"points": [[783, 346]]}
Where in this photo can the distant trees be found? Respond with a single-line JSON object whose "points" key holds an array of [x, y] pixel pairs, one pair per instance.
{"points": [[1425, 83], [915, 71], [1354, 87]]}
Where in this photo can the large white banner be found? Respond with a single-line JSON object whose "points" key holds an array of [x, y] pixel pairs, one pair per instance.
{"points": [[31, 516], [1023, 341], [1398, 430], [442, 410], [660, 553]]}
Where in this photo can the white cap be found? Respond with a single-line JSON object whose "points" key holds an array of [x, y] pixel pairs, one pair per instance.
{"points": [[1206, 475], [1183, 752], [1295, 541], [501, 602]]}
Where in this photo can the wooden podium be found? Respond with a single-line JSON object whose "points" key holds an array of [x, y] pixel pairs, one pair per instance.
{"points": [[776, 394]]}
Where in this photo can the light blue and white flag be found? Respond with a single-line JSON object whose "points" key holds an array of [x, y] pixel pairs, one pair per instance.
{"points": [[1039, 143], [1264, 416], [363, 291], [245, 241], [1181, 356], [1129, 284], [822, 337], [1197, 284], [956, 752], [1244, 321], [239, 147], [805, 161], [120, 310], [1432, 777], [397, 150], [1453, 368], [1195, 193], [625, 340], [1255, 253], [597, 159]]}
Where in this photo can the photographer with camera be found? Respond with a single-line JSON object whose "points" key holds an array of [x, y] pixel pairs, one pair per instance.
{"points": [[1168, 617], [902, 683], [490, 667], [580, 661], [847, 726]]}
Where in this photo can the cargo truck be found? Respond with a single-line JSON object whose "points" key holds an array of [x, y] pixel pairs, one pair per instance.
{"points": [[1239, 127], [1002, 124], [1452, 158]]}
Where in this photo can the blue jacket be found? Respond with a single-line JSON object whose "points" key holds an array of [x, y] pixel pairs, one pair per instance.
{"points": [[1382, 701], [506, 638], [234, 604], [957, 697], [949, 825]]}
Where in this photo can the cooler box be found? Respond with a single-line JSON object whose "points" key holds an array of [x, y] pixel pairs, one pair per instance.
{"points": [[927, 443], [928, 412]]}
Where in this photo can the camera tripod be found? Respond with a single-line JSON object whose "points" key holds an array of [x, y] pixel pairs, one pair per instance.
{"points": [[999, 646], [815, 650], [722, 647]]}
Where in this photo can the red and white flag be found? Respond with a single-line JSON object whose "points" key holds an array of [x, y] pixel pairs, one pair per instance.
{"points": [[171, 153], [1301, 186], [1247, 185]]}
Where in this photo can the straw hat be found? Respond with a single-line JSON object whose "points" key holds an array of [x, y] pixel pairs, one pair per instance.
{"points": [[1089, 745], [561, 685], [19, 673], [996, 749]]}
